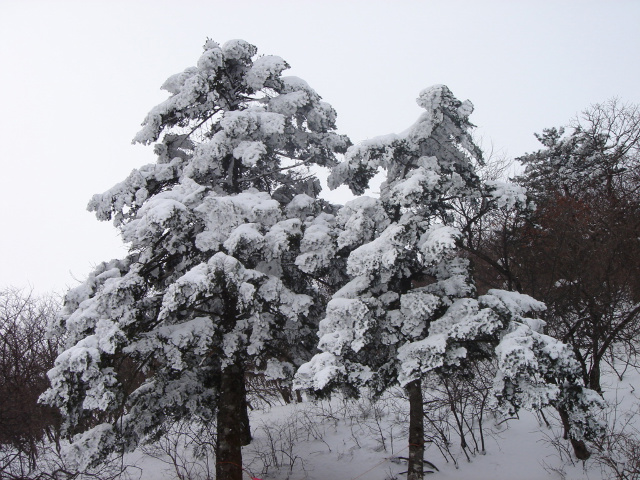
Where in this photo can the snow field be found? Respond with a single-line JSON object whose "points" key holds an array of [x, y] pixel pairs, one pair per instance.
{"points": [[342, 439]]}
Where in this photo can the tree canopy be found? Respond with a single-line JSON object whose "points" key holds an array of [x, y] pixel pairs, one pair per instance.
{"points": [[235, 264], [411, 306], [223, 233]]}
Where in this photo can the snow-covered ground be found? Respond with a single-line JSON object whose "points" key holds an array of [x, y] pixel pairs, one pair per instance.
{"points": [[339, 440]]}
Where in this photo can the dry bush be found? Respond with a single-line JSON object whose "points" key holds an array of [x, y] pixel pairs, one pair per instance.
{"points": [[26, 354], [456, 409], [187, 448], [618, 451]]}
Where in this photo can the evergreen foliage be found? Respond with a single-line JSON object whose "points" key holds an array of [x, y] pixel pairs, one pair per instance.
{"points": [[411, 306], [223, 234], [235, 264]]}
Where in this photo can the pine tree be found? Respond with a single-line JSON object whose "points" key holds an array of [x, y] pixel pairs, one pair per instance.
{"points": [[411, 306], [226, 271]]}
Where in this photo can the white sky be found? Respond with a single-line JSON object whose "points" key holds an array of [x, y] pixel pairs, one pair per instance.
{"points": [[77, 78]]}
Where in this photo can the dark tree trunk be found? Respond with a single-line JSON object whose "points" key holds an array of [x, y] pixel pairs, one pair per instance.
{"points": [[285, 393], [594, 375], [233, 424], [579, 447], [416, 431]]}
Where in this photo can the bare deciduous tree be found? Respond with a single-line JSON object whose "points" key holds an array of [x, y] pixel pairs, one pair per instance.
{"points": [[26, 354]]}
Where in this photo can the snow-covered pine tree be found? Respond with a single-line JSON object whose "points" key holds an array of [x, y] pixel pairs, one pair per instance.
{"points": [[225, 234], [411, 306]]}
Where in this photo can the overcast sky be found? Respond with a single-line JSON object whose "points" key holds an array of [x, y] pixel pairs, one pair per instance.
{"points": [[77, 78]]}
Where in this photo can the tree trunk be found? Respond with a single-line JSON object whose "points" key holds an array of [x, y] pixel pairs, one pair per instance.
{"points": [[285, 393], [579, 447], [233, 424], [416, 431], [594, 375]]}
